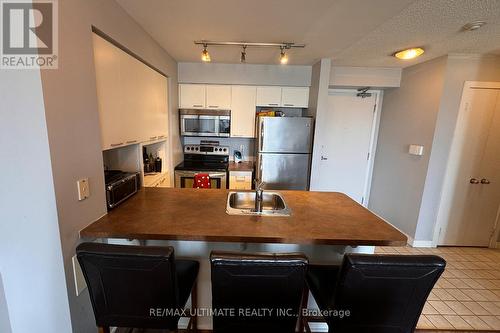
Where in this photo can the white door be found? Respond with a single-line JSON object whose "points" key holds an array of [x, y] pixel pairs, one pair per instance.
{"points": [[346, 144], [471, 194]]}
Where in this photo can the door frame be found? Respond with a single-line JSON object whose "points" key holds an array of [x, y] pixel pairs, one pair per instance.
{"points": [[452, 164], [373, 136]]}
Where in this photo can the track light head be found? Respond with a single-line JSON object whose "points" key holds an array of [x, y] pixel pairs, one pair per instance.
{"points": [[205, 56], [243, 57], [283, 56]]}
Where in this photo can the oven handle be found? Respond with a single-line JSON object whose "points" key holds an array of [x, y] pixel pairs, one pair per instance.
{"points": [[193, 173]]}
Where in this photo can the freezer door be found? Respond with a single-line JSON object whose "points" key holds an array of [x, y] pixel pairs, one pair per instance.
{"points": [[284, 135], [284, 171]]}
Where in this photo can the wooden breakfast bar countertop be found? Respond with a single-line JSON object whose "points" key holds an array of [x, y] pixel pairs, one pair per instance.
{"points": [[200, 215]]}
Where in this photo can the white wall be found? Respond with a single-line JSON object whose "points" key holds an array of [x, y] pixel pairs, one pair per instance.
{"points": [[31, 262], [408, 116], [190, 72], [73, 123], [458, 70], [318, 100], [374, 77]]}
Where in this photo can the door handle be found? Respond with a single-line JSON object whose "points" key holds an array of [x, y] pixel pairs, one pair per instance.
{"points": [[474, 181], [485, 181]]}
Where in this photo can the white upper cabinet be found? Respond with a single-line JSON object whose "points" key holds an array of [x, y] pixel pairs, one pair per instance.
{"points": [[295, 97], [132, 97], [218, 97], [192, 96], [268, 96], [243, 111]]}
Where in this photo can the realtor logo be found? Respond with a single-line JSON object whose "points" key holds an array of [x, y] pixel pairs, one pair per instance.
{"points": [[29, 34]]}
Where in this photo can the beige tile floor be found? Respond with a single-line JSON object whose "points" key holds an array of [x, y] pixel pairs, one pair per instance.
{"points": [[467, 296]]}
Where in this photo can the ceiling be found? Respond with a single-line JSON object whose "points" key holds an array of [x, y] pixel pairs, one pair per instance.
{"points": [[351, 32]]}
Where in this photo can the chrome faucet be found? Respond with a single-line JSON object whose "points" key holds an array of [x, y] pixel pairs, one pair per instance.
{"points": [[258, 195]]}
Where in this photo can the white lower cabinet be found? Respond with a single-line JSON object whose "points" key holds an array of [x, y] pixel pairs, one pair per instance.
{"points": [[243, 111], [240, 180]]}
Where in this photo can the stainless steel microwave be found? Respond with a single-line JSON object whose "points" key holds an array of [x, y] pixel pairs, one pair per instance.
{"points": [[205, 122]]}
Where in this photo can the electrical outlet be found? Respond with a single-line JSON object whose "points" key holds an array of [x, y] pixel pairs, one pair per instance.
{"points": [[80, 283], [83, 189]]}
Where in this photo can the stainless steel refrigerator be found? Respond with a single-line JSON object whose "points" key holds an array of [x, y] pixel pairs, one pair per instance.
{"points": [[283, 150]]}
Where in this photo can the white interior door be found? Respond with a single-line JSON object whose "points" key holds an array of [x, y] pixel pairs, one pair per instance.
{"points": [[346, 144], [471, 194]]}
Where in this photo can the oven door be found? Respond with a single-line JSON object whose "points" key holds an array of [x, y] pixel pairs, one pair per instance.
{"points": [[199, 125], [185, 179]]}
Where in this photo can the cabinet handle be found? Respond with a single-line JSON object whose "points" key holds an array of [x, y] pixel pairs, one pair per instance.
{"points": [[131, 141], [197, 105], [288, 104], [153, 138], [161, 136], [116, 144], [273, 104], [213, 106]]}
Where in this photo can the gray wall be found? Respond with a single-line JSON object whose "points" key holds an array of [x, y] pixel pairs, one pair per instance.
{"points": [[73, 123], [408, 117], [458, 70], [190, 72], [31, 264]]}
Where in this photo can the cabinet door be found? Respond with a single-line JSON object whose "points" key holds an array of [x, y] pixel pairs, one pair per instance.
{"points": [[192, 96], [268, 96], [158, 121], [113, 116], [218, 97], [243, 111], [295, 97]]}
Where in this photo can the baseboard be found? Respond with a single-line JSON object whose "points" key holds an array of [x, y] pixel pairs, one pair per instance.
{"points": [[422, 243]]}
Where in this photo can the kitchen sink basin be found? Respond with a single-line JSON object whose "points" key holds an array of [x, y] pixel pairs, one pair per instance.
{"points": [[243, 203]]}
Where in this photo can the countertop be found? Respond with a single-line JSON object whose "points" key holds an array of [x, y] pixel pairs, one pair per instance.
{"points": [[200, 214], [242, 166]]}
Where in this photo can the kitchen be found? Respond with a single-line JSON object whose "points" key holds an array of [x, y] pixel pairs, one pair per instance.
{"points": [[121, 128]]}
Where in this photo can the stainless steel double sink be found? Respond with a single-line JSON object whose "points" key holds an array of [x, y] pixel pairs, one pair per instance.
{"points": [[243, 203]]}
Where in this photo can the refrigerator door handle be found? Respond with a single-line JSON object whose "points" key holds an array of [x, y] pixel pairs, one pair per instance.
{"points": [[261, 139]]}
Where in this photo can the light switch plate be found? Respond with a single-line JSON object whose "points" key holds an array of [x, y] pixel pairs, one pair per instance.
{"points": [[417, 150], [80, 283], [83, 189]]}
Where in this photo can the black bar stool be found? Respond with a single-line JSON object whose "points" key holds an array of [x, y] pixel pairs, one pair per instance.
{"points": [[383, 293], [137, 286], [263, 290]]}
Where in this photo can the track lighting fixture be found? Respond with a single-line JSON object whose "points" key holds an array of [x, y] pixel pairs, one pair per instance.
{"points": [[205, 56], [243, 57], [283, 56]]}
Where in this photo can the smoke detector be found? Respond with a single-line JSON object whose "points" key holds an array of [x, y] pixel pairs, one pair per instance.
{"points": [[471, 26]]}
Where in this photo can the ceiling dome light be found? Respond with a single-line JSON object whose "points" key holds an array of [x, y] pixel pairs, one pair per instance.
{"points": [[409, 53], [283, 56], [243, 57], [205, 56], [471, 26]]}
